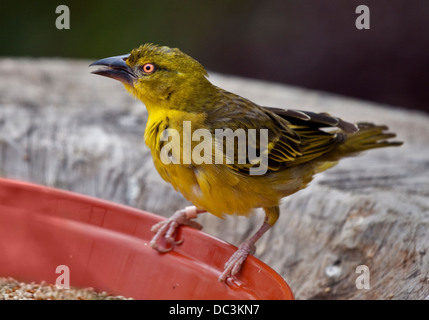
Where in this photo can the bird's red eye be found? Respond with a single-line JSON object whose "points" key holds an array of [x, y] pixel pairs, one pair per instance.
{"points": [[148, 68]]}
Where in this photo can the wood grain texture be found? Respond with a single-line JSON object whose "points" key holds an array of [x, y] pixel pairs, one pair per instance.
{"points": [[60, 126]]}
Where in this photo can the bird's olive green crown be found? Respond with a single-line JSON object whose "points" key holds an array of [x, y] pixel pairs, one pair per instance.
{"points": [[165, 59]]}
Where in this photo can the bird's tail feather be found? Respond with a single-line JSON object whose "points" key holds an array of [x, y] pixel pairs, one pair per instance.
{"points": [[369, 136]]}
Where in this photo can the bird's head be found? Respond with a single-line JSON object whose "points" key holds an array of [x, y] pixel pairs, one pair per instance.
{"points": [[155, 74]]}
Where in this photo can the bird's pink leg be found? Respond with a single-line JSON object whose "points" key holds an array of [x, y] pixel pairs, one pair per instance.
{"points": [[233, 265], [167, 228]]}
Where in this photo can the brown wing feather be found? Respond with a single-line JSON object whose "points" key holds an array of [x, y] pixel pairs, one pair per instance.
{"points": [[294, 136], [315, 142], [319, 120]]}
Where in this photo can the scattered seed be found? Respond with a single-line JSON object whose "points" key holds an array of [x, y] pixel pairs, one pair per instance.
{"points": [[11, 289]]}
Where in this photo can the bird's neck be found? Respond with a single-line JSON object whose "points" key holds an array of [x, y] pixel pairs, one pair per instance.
{"points": [[187, 97]]}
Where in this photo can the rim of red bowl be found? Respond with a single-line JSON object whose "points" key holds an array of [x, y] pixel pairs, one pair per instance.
{"points": [[105, 245]]}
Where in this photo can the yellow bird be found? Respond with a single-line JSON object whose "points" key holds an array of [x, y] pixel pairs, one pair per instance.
{"points": [[224, 153]]}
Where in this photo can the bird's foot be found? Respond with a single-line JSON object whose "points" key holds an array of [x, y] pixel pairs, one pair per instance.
{"points": [[233, 265], [167, 228]]}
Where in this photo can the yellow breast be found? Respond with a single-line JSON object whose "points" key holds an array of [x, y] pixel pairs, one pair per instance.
{"points": [[213, 187]]}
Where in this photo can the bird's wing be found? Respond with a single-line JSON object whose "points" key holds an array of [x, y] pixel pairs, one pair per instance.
{"points": [[319, 132], [292, 136], [316, 120], [265, 134]]}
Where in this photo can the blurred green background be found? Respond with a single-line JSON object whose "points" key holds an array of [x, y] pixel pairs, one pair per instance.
{"points": [[308, 43]]}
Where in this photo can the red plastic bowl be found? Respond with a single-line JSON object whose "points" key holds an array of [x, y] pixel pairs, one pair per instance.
{"points": [[105, 246]]}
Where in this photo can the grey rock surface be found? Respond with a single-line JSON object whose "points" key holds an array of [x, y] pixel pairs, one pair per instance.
{"points": [[62, 127]]}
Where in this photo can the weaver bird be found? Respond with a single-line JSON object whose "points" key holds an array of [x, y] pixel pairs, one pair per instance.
{"points": [[296, 144]]}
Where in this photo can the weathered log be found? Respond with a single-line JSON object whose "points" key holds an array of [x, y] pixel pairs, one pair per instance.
{"points": [[60, 126]]}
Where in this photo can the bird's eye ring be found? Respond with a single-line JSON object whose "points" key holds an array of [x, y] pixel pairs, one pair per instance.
{"points": [[148, 68]]}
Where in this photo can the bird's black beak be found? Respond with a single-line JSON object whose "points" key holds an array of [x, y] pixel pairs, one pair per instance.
{"points": [[116, 68]]}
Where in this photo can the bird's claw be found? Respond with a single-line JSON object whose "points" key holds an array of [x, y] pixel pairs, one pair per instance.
{"points": [[167, 229], [233, 265]]}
